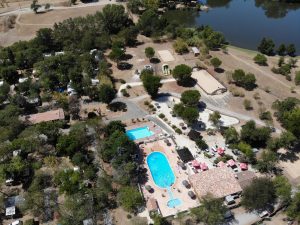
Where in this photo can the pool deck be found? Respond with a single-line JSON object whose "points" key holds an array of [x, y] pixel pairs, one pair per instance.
{"points": [[157, 131], [178, 190]]}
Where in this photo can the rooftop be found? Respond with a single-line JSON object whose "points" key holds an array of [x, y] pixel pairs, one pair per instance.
{"points": [[219, 182], [45, 116], [207, 82]]}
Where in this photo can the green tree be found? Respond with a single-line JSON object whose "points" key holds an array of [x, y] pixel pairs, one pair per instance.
{"points": [[247, 150], [231, 136], [130, 198], [201, 144], [150, 24], [216, 62], [211, 211], [259, 194], [293, 211], [215, 118], [297, 78], [151, 84], [117, 53], [106, 93], [267, 162], [182, 73], [291, 50], [190, 97], [35, 6], [190, 114], [261, 60], [180, 46], [283, 189], [266, 46], [287, 140], [134, 6], [256, 137], [291, 121], [69, 181], [244, 80], [113, 126], [149, 52], [4, 92], [281, 50], [114, 18], [151, 4], [9, 74]]}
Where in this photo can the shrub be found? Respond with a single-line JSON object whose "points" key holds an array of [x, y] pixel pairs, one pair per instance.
{"points": [[247, 104], [260, 59], [161, 115], [297, 78], [146, 103], [125, 93], [180, 46], [182, 72], [178, 131]]}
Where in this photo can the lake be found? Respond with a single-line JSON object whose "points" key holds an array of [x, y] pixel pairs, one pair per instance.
{"points": [[245, 22]]}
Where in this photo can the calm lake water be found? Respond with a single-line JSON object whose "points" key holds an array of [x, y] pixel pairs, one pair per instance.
{"points": [[245, 22]]}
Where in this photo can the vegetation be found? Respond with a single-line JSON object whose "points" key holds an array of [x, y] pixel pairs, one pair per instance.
{"points": [[182, 73], [266, 46], [151, 84], [244, 80], [215, 118], [261, 60], [259, 195], [210, 212], [216, 62], [149, 52], [190, 97]]}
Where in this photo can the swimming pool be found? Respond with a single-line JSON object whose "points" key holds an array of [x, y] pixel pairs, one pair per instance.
{"points": [[138, 133], [160, 169]]}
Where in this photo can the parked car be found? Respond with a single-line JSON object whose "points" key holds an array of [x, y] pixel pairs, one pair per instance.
{"points": [[236, 152]]}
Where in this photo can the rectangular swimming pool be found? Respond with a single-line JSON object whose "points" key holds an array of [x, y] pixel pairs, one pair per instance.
{"points": [[138, 133]]}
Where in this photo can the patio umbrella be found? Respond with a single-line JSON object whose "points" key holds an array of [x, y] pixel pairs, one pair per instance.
{"points": [[204, 166], [148, 187], [181, 124], [195, 163], [221, 164], [185, 183], [220, 151], [244, 166], [231, 162], [191, 194]]}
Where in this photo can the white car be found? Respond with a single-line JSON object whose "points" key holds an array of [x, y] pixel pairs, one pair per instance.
{"points": [[148, 67], [17, 222]]}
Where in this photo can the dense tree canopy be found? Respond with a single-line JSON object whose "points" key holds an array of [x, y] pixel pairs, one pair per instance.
{"points": [[259, 195], [190, 97]]}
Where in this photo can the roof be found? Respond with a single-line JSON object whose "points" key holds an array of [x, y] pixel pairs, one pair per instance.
{"points": [[207, 82], [88, 222], [10, 211], [194, 135], [219, 182], [152, 204], [195, 50], [245, 178], [166, 55], [46, 116], [185, 155]]}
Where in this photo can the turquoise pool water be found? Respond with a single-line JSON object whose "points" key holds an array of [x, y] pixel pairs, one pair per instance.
{"points": [[160, 169], [138, 133]]}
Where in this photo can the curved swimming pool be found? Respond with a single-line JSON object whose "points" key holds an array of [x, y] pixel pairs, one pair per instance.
{"points": [[160, 169]]}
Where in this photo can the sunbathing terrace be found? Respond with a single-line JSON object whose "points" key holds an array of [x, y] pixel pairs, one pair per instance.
{"points": [[178, 189], [208, 83], [220, 182]]}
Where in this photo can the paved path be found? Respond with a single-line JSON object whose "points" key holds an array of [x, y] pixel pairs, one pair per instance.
{"points": [[29, 10]]}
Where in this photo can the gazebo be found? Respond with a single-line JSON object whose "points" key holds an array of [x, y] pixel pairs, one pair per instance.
{"points": [[203, 166], [244, 166], [221, 151], [231, 163], [196, 164]]}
